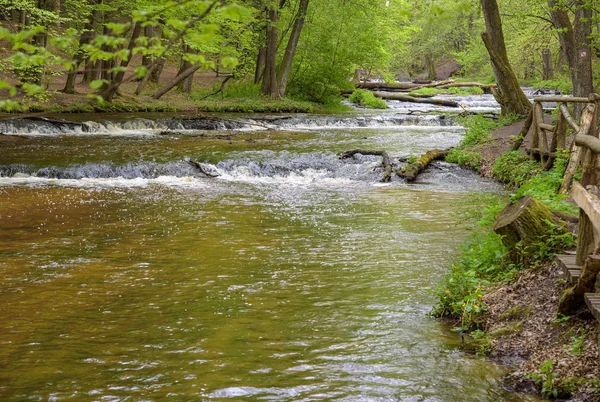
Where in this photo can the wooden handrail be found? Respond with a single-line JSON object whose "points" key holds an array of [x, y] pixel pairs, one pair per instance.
{"points": [[564, 99], [565, 112], [589, 142]]}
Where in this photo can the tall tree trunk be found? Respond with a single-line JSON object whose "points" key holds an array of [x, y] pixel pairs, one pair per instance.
{"points": [[78, 57], [576, 45], [270, 86], [186, 84], [160, 61], [92, 68], [508, 94], [112, 89], [430, 66], [547, 62], [290, 51], [582, 69], [260, 64], [148, 33], [561, 21]]}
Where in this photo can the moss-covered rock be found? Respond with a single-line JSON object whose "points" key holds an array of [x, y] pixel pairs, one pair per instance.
{"points": [[516, 313], [511, 329]]}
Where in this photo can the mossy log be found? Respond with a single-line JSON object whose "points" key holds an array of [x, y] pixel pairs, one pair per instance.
{"points": [[407, 98], [573, 297], [411, 171], [522, 224]]}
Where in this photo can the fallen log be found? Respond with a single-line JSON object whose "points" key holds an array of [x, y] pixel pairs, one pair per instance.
{"points": [[387, 164], [407, 98], [403, 86], [411, 171]]}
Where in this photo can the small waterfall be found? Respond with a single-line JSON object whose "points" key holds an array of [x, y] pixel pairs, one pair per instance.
{"points": [[195, 125]]}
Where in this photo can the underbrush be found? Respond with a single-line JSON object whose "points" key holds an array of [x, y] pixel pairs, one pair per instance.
{"points": [[481, 261], [528, 178], [483, 258]]}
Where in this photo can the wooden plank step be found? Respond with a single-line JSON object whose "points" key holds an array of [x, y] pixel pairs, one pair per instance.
{"points": [[593, 302], [573, 275], [566, 262]]}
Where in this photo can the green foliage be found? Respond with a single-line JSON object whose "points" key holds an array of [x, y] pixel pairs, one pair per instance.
{"points": [[545, 379], [367, 98], [514, 168], [577, 343], [562, 85], [544, 186], [425, 91], [556, 239], [468, 159], [462, 91], [561, 319], [481, 261], [478, 132]]}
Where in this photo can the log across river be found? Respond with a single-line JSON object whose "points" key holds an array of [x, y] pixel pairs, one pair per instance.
{"points": [[127, 273]]}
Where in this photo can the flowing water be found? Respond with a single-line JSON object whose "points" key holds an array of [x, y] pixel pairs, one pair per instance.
{"points": [[128, 274]]}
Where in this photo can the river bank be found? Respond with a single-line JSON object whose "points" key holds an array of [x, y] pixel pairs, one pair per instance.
{"points": [[514, 315]]}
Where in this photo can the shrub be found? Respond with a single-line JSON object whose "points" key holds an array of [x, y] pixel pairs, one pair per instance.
{"points": [[367, 98]]}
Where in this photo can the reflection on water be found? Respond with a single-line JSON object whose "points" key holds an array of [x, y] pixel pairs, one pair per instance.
{"points": [[262, 284]]}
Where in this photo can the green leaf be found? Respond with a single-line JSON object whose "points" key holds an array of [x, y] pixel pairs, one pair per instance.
{"points": [[141, 71], [177, 24], [97, 84], [118, 29], [32, 89], [229, 62]]}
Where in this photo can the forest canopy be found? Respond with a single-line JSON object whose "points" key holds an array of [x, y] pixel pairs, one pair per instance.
{"points": [[301, 49]]}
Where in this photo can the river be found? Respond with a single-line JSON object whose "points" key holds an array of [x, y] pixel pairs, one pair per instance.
{"points": [[127, 274]]}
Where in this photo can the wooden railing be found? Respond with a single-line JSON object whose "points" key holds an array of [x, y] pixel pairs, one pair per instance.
{"points": [[547, 139], [585, 154]]}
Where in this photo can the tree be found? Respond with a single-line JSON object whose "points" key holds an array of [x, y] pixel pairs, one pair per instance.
{"points": [[270, 85], [283, 72], [508, 94], [576, 44]]}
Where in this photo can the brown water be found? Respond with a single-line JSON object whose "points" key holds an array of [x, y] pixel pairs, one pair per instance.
{"points": [[291, 277]]}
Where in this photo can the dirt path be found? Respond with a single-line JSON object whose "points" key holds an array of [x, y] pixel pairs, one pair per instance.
{"points": [[501, 142]]}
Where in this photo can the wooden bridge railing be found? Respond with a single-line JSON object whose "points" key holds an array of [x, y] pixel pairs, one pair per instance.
{"points": [[546, 138], [583, 269]]}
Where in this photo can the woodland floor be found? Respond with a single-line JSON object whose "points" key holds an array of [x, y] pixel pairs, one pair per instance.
{"points": [[529, 333]]}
